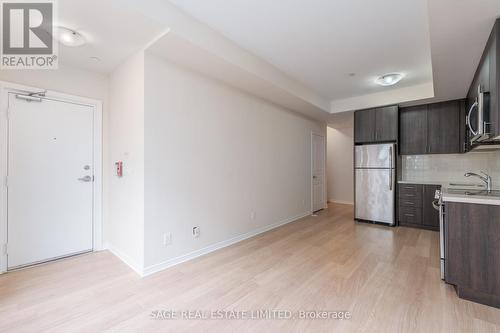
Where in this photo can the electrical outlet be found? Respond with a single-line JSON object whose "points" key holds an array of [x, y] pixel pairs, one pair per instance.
{"points": [[196, 232], [167, 239], [252, 215]]}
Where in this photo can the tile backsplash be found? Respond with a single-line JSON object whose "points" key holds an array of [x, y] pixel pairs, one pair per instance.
{"points": [[450, 168]]}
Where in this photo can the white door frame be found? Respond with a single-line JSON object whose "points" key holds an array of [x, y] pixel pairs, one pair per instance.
{"points": [[312, 171], [5, 89]]}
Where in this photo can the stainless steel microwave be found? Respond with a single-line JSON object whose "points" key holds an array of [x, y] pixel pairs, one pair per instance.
{"points": [[478, 118]]}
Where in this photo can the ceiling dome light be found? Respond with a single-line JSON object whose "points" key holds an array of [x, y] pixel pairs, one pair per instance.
{"points": [[69, 37], [389, 79]]}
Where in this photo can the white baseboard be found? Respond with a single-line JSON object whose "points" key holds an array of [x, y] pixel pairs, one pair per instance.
{"points": [[341, 202], [125, 258], [217, 246]]}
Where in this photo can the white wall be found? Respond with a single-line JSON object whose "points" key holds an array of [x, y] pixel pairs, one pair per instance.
{"points": [[340, 164], [125, 225], [214, 155]]}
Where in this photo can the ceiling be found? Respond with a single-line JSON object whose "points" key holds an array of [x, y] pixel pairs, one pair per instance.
{"points": [[320, 43], [337, 48], [113, 32], [459, 31]]}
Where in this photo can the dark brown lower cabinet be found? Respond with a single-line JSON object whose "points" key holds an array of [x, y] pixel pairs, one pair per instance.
{"points": [[430, 214], [415, 206], [472, 251]]}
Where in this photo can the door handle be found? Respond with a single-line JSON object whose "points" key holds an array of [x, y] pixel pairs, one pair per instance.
{"points": [[390, 174], [390, 156], [85, 179]]}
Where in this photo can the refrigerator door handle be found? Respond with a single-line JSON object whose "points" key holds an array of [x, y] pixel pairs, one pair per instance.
{"points": [[390, 157], [441, 239], [391, 165], [390, 180]]}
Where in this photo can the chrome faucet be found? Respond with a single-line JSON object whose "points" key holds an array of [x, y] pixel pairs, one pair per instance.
{"points": [[486, 178]]}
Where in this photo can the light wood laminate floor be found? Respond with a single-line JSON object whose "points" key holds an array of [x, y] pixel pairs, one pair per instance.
{"points": [[388, 278]]}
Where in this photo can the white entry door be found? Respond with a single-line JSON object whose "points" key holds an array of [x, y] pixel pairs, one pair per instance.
{"points": [[50, 180], [318, 172]]}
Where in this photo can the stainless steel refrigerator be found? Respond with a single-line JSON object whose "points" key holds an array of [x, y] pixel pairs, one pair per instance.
{"points": [[375, 176]]}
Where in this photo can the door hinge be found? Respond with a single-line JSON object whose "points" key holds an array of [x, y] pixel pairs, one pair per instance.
{"points": [[5, 249], [6, 181]]}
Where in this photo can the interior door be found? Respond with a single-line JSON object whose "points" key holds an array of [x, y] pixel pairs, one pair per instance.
{"points": [[318, 172], [50, 180]]}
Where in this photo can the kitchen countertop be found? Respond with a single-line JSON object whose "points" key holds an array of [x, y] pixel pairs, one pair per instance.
{"points": [[451, 195]]}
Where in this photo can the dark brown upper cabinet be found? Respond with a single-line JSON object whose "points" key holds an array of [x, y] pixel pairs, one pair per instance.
{"points": [[386, 120], [413, 130], [376, 125], [364, 126], [437, 128], [487, 77], [445, 128]]}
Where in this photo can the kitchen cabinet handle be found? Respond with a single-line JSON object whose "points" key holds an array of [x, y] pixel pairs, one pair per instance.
{"points": [[410, 215]]}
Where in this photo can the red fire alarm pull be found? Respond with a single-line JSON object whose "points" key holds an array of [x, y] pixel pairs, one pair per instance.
{"points": [[119, 169]]}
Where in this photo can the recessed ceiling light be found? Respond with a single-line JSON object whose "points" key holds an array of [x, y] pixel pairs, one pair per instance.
{"points": [[69, 37], [389, 79]]}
